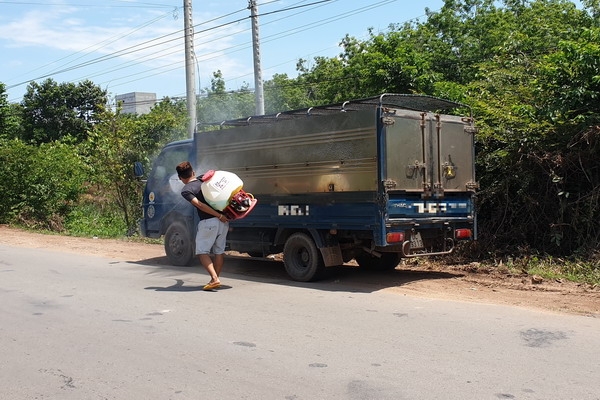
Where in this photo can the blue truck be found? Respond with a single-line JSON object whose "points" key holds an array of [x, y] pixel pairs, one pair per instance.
{"points": [[371, 180]]}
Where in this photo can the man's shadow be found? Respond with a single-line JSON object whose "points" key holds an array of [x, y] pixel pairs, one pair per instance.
{"points": [[179, 287]]}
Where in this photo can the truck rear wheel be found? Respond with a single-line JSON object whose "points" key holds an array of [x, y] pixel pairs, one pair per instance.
{"points": [[386, 262], [302, 259], [178, 245]]}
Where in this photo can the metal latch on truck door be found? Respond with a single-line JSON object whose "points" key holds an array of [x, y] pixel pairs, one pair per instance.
{"points": [[413, 169], [470, 128], [448, 170], [388, 120], [389, 184]]}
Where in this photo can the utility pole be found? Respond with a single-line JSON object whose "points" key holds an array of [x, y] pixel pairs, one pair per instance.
{"points": [[190, 79], [258, 82]]}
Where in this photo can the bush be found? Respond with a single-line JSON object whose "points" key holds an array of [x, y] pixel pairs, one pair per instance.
{"points": [[94, 219], [39, 185]]}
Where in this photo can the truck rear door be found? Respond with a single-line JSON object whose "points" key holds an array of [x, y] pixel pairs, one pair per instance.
{"points": [[428, 176], [426, 153]]}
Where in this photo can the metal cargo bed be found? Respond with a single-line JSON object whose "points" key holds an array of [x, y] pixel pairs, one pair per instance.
{"points": [[402, 142]]}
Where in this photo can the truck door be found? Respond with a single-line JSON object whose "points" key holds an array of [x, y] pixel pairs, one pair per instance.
{"points": [[162, 194], [427, 153]]}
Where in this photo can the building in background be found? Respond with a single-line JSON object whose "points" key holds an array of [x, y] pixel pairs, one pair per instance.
{"points": [[136, 102]]}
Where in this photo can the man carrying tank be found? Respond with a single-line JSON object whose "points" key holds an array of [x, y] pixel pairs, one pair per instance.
{"points": [[212, 228]]}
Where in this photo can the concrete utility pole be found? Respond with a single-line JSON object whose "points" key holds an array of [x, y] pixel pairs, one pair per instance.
{"points": [[258, 82], [190, 79]]}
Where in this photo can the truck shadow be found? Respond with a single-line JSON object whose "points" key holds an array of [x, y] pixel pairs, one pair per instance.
{"points": [[345, 278]]}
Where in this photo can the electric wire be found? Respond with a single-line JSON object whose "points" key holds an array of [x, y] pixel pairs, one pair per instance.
{"points": [[126, 51], [204, 57], [95, 47], [129, 5], [147, 44]]}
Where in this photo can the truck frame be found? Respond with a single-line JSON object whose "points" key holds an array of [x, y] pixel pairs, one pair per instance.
{"points": [[373, 180]]}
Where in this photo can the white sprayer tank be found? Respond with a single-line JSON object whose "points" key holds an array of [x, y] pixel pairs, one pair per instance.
{"points": [[218, 187]]}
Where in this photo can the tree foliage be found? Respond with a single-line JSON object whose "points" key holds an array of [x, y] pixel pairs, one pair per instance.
{"points": [[283, 94], [280, 94], [9, 116], [39, 184], [52, 111], [530, 70], [218, 105], [118, 141]]}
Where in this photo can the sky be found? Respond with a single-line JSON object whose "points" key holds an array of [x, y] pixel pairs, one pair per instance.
{"points": [[138, 46]]}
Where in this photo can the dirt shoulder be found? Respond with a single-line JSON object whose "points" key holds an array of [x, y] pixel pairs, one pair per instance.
{"points": [[461, 282]]}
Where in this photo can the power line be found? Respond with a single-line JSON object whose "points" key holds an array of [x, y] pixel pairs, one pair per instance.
{"points": [[129, 5], [127, 51], [138, 47], [168, 38], [96, 47]]}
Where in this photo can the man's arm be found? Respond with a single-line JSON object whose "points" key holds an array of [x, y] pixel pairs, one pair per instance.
{"points": [[206, 208]]}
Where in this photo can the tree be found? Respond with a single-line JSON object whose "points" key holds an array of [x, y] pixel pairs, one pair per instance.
{"points": [[52, 111], [283, 94], [570, 78], [529, 69], [119, 140], [440, 55], [9, 116], [569, 83], [39, 184], [533, 101], [219, 105], [593, 6]]}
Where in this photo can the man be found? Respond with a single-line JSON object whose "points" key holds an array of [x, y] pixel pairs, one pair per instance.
{"points": [[212, 228]]}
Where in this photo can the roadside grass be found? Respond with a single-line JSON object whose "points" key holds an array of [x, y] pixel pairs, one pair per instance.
{"points": [[92, 220], [572, 269], [95, 216], [577, 268], [89, 220]]}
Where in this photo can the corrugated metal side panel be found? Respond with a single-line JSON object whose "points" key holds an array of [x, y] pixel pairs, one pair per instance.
{"points": [[316, 154]]}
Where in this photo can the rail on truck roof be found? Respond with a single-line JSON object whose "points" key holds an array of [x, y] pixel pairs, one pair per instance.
{"points": [[412, 102]]}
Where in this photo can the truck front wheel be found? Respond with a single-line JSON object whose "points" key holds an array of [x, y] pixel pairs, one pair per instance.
{"points": [[178, 245], [302, 259]]}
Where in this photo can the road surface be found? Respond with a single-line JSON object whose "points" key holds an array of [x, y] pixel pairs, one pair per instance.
{"points": [[77, 327]]}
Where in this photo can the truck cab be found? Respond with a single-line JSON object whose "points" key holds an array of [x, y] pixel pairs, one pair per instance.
{"points": [[165, 212]]}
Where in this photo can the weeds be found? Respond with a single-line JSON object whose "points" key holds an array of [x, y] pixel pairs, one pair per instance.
{"points": [[90, 220], [552, 268]]}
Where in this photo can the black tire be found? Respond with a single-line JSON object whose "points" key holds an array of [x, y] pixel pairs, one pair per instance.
{"points": [[387, 261], [302, 258], [179, 245]]}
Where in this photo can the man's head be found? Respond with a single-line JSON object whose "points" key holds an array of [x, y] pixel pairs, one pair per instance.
{"points": [[184, 170]]}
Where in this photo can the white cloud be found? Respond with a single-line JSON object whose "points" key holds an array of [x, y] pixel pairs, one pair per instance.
{"points": [[50, 39]]}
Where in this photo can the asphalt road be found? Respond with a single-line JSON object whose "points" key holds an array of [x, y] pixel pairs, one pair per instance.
{"points": [[74, 327]]}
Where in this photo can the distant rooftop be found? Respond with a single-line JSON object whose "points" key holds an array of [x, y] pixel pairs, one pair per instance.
{"points": [[137, 102]]}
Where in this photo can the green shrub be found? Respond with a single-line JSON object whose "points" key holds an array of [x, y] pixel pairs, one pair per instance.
{"points": [[39, 184], [95, 220]]}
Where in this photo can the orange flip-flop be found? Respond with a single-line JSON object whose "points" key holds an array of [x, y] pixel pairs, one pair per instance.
{"points": [[211, 286]]}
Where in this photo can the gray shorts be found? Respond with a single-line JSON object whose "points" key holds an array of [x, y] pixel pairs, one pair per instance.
{"points": [[211, 236]]}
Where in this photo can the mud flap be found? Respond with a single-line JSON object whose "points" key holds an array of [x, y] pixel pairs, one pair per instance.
{"points": [[332, 256]]}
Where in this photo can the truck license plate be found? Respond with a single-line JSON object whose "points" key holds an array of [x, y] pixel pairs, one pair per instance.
{"points": [[415, 241]]}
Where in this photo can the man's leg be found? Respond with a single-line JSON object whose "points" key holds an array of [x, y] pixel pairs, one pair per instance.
{"points": [[207, 263], [218, 247], [218, 263], [205, 237]]}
